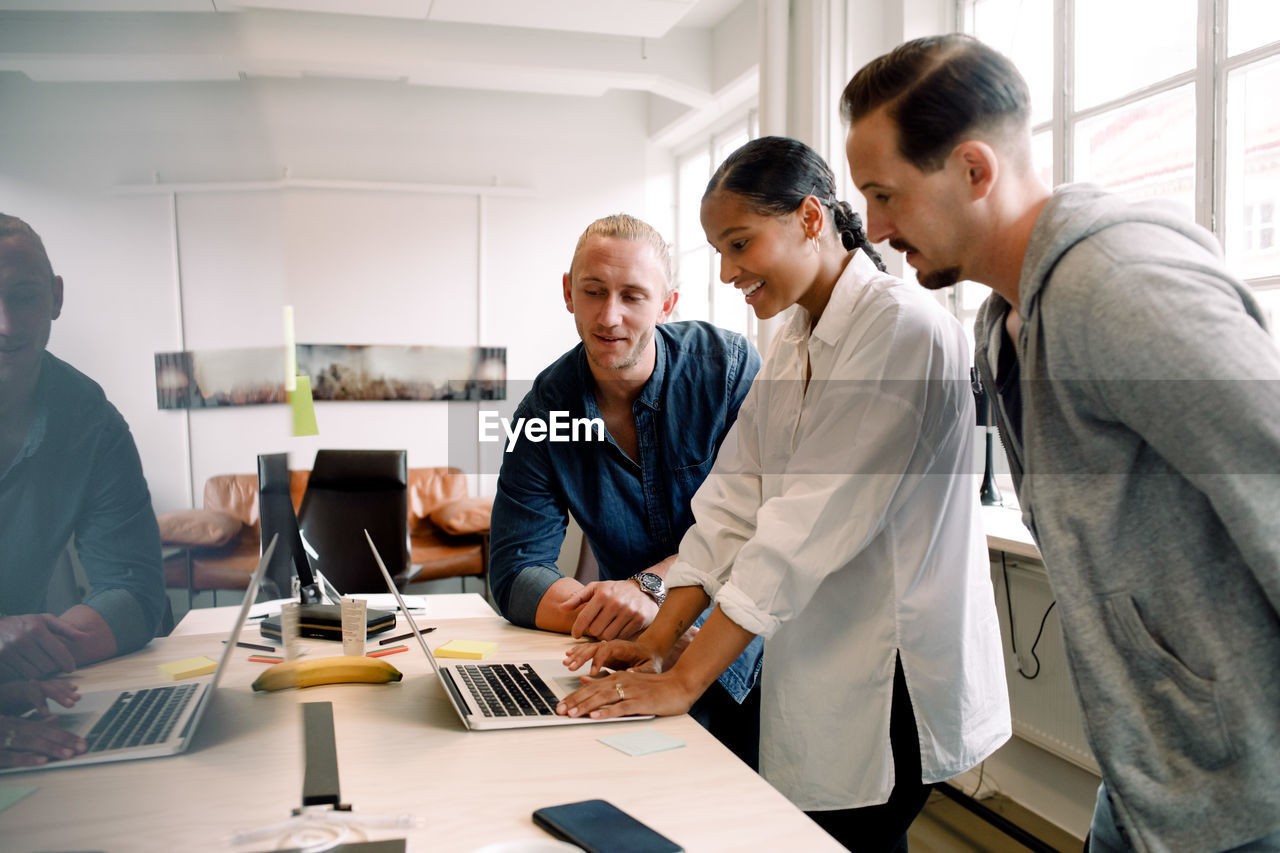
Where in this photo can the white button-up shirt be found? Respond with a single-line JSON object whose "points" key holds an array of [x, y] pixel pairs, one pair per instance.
{"points": [[841, 523]]}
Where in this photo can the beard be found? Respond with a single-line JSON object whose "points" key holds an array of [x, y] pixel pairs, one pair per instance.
{"points": [[626, 360], [934, 280], [939, 279]]}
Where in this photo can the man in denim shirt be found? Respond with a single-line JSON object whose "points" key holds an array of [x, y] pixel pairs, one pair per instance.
{"points": [[68, 467], [667, 394]]}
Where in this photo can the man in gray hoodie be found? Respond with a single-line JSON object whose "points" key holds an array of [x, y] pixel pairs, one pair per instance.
{"points": [[1138, 396]]}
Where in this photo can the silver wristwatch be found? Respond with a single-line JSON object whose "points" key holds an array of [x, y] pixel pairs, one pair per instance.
{"points": [[653, 585]]}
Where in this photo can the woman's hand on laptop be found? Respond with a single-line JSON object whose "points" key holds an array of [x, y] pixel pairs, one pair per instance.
{"points": [[19, 697], [625, 693], [27, 743]]}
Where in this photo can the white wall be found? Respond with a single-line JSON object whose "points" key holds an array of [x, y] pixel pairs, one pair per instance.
{"points": [[360, 265]]}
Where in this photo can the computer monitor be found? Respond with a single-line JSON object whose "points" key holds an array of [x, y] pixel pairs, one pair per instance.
{"points": [[348, 492]]}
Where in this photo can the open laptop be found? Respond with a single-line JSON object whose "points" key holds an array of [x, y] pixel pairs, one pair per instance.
{"points": [[500, 695], [147, 722]]}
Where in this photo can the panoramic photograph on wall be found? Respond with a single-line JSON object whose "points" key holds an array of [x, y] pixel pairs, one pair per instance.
{"points": [[254, 376]]}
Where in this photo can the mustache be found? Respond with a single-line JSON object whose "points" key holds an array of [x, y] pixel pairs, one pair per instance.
{"points": [[902, 245]]}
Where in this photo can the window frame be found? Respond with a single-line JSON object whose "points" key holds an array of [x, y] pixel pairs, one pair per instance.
{"points": [[748, 121], [1210, 76]]}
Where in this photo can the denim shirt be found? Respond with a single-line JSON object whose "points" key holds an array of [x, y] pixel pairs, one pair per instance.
{"points": [[632, 512], [78, 473]]}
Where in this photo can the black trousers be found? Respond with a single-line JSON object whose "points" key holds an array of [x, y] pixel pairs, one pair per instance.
{"points": [[883, 828], [736, 726]]}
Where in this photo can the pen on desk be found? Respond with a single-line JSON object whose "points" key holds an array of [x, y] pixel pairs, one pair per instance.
{"points": [[383, 652], [405, 636], [257, 646]]}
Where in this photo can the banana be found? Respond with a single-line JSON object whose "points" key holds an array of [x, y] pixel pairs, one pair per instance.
{"points": [[332, 670]]}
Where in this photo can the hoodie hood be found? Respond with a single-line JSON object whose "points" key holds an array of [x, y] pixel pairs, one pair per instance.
{"points": [[1076, 212]]}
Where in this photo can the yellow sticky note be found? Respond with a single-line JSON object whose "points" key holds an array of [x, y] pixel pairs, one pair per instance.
{"points": [[471, 649], [304, 409], [187, 667]]}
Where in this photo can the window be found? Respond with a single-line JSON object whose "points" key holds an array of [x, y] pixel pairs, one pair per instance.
{"points": [[702, 295], [1170, 100]]}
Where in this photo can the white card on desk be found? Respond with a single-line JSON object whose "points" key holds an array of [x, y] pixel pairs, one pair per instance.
{"points": [[642, 742]]}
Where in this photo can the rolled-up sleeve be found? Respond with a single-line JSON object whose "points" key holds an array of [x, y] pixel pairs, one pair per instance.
{"points": [[118, 542]]}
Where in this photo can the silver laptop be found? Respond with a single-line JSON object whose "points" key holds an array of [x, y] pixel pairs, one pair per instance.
{"points": [[150, 721], [500, 695]]}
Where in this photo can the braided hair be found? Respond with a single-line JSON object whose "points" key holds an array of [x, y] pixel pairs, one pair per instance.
{"points": [[774, 174]]}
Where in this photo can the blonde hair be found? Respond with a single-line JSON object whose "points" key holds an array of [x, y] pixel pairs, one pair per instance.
{"points": [[623, 226]]}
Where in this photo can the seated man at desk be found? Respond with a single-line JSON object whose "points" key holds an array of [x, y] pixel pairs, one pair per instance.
{"points": [[667, 394], [68, 468]]}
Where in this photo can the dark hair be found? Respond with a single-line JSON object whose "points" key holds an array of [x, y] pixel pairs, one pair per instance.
{"points": [[939, 89], [12, 226], [775, 174]]}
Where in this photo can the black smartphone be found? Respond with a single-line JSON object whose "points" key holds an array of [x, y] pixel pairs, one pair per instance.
{"points": [[601, 827]]}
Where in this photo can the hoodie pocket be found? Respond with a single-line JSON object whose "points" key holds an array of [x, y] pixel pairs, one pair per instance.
{"points": [[1181, 708]]}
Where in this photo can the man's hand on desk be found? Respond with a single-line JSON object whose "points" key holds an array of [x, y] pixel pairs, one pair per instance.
{"points": [[611, 610], [35, 645]]}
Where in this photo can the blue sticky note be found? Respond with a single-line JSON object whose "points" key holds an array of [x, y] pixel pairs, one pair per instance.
{"points": [[11, 794], [642, 741]]}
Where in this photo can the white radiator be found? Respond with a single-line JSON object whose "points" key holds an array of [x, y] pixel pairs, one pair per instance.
{"points": [[1045, 709]]}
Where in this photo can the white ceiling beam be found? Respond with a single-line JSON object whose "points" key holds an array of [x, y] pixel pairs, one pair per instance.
{"points": [[639, 18], [167, 47]]}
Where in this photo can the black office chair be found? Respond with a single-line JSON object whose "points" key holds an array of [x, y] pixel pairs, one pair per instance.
{"points": [[278, 521], [351, 491]]}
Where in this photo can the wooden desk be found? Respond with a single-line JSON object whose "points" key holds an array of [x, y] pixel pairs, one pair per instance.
{"points": [[401, 750]]}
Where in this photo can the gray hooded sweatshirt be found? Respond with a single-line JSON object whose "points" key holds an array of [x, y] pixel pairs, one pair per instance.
{"points": [[1142, 424]]}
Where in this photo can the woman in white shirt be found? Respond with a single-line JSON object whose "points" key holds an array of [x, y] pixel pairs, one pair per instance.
{"points": [[840, 522]]}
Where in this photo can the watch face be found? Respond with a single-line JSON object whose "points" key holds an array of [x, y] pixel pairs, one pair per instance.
{"points": [[650, 582]]}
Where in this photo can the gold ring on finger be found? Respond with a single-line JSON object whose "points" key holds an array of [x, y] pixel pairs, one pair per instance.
{"points": [[618, 686]]}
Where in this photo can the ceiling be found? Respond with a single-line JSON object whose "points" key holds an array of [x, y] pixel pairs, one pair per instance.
{"points": [[564, 47]]}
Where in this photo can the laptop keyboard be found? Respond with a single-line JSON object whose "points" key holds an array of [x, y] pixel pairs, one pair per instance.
{"points": [[508, 690], [140, 717]]}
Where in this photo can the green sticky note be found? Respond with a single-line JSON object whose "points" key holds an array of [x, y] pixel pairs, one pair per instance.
{"points": [[304, 408], [10, 795]]}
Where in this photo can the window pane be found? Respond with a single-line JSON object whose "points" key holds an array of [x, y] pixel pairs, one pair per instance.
{"points": [[1252, 23], [1146, 150], [1253, 170], [1270, 302], [1123, 45], [695, 171], [726, 145], [693, 275], [1023, 31], [1042, 155]]}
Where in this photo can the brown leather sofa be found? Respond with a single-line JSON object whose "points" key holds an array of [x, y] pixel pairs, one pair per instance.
{"points": [[448, 530]]}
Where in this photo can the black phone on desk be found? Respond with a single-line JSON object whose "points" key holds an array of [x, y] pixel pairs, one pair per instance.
{"points": [[598, 826]]}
